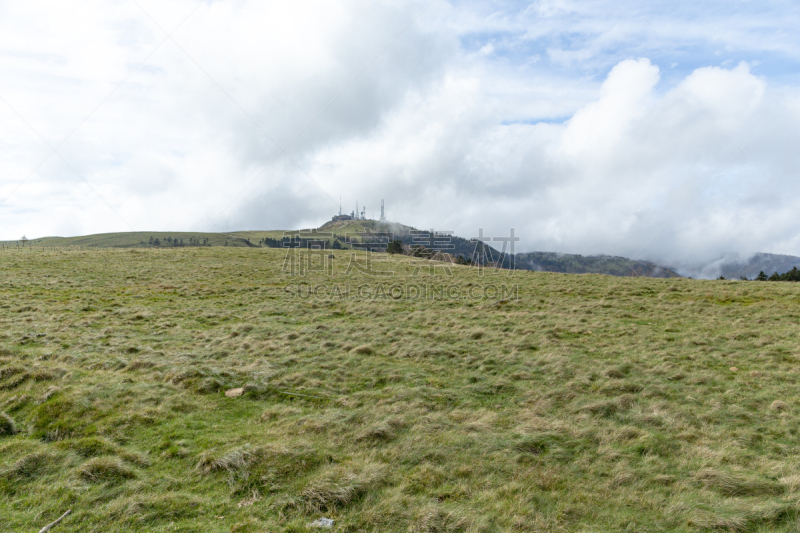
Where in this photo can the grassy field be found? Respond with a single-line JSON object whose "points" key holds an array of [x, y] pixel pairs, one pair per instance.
{"points": [[590, 403]]}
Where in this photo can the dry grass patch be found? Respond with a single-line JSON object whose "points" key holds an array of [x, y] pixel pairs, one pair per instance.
{"points": [[340, 485], [7, 425]]}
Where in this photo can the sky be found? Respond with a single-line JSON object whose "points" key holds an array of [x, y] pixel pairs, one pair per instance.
{"points": [[656, 130]]}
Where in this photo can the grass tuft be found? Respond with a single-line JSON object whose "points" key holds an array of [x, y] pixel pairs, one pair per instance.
{"points": [[437, 520], [383, 432], [736, 484], [151, 508], [779, 406], [364, 349], [7, 425], [105, 470], [340, 485], [741, 516], [31, 466], [89, 446]]}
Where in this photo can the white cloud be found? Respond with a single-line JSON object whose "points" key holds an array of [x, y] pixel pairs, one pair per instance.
{"points": [[463, 121]]}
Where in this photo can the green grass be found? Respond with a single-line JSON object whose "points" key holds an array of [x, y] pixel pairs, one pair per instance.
{"points": [[591, 403]]}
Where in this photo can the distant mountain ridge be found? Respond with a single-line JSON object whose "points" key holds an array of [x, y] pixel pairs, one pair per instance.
{"points": [[768, 263], [595, 264]]}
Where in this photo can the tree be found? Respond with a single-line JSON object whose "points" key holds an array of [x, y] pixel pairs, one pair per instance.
{"points": [[394, 247], [338, 246], [421, 251], [792, 275], [24, 240], [761, 276]]}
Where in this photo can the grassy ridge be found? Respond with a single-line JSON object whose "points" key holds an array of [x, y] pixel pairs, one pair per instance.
{"points": [[591, 403], [141, 239]]}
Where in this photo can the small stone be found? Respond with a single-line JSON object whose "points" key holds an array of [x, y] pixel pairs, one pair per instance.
{"points": [[234, 393], [734, 369], [322, 522]]}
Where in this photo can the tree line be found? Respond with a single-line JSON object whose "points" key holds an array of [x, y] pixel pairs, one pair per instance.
{"points": [[792, 275], [169, 241]]}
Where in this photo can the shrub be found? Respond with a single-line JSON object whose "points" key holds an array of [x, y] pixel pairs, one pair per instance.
{"points": [[395, 247]]}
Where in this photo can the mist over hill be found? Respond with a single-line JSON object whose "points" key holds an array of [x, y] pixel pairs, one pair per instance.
{"points": [[600, 264], [735, 268]]}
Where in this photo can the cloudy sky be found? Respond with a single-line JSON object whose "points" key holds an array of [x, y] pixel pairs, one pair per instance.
{"points": [[662, 130]]}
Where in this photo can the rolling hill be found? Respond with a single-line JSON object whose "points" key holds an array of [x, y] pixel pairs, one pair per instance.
{"points": [[339, 234]]}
